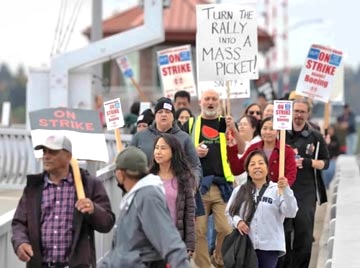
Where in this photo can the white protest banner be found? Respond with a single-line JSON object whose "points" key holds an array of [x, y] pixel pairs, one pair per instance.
{"points": [[282, 118], [82, 127], [176, 71], [337, 93], [113, 114], [226, 41], [317, 77], [144, 106], [239, 89], [125, 66]]}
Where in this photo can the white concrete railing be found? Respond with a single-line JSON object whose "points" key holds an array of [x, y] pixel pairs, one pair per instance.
{"points": [[103, 242], [343, 245], [17, 158]]}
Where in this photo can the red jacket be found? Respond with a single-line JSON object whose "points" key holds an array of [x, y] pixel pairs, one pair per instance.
{"points": [[237, 164]]}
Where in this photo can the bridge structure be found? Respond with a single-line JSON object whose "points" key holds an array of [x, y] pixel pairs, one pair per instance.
{"points": [[338, 233]]}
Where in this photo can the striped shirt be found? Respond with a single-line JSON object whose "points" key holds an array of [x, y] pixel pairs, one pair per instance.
{"points": [[57, 209]]}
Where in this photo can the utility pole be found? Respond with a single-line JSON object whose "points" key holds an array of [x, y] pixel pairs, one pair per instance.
{"points": [[97, 34]]}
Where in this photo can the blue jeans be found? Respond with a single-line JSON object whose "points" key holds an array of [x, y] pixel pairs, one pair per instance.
{"points": [[329, 173], [267, 258], [211, 234], [351, 143]]}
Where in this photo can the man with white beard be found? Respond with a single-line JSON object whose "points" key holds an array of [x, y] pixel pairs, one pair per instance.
{"points": [[208, 135]]}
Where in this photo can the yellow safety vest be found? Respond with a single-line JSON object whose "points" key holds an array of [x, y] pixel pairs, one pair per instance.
{"points": [[195, 133]]}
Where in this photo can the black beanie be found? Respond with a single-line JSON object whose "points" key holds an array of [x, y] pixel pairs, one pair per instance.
{"points": [[146, 116], [164, 103]]}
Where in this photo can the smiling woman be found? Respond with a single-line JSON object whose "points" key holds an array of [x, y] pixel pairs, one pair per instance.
{"points": [[259, 201]]}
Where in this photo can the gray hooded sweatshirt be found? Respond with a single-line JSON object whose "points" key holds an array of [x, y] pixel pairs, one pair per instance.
{"points": [[145, 231]]}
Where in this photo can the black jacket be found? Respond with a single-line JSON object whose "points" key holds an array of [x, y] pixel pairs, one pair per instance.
{"points": [[309, 182]]}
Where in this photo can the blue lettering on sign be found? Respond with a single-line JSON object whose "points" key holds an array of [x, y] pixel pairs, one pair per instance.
{"points": [[185, 56], [314, 53], [164, 59], [335, 59], [287, 106], [117, 104], [129, 73]]}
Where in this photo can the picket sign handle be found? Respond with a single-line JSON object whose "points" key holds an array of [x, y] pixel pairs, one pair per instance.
{"points": [[143, 97], [327, 110], [77, 179], [282, 157], [228, 105], [119, 144]]}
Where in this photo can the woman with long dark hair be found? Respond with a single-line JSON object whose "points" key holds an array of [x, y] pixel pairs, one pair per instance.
{"points": [[169, 163], [266, 229], [270, 144]]}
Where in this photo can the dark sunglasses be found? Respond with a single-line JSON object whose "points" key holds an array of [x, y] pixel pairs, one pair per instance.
{"points": [[254, 112]]}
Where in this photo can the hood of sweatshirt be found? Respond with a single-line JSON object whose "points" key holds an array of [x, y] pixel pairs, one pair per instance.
{"points": [[148, 180]]}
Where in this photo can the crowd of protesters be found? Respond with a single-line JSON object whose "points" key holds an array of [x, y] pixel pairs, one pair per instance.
{"points": [[188, 182]]}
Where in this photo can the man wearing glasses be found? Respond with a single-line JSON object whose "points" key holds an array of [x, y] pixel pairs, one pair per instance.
{"points": [[308, 188]]}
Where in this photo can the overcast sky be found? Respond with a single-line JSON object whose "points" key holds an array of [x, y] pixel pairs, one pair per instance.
{"points": [[27, 28]]}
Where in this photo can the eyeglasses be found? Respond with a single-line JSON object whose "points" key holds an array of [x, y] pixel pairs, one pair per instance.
{"points": [[300, 112], [254, 112]]}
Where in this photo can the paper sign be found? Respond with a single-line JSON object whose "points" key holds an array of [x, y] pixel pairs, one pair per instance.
{"points": [[317, 77], [125, 66], [144, 106], [82, 127], [227, 41], [176, 71], [113, 114], [282, 118], [238, 89]]}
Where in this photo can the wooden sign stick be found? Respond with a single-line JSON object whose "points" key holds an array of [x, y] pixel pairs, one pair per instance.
{"points": [[143, 97], [228, 104], [77, 179], [282, 156], [119, 144], [327, 110]]}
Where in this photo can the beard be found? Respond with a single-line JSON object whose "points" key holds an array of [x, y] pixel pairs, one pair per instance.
{"points": [[122, 187], [210, 113]]}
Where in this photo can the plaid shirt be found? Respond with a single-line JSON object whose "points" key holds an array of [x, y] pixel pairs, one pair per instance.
{"points": [[57, 209]]}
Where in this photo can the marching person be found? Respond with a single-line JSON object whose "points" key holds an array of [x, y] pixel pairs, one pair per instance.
{"points": [[145, 235], [51, 227], [165, 123], [313, 156], [266, 214], [172, 167], [208, 134]]}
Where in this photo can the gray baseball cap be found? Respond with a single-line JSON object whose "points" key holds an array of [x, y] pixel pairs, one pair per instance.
{"points": [[56, 142]]}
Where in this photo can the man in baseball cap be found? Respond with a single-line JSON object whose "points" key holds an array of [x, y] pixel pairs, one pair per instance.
{"points": [[142, 206], [56, 142]]}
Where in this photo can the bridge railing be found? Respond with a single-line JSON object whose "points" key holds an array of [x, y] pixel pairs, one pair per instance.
{"points": [[17, 158], [103, 242]]}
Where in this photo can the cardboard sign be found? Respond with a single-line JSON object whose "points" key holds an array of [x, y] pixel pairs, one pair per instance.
{"points": [[176, 71], [82, 127], [125, 66], [113, 114], [317, 77], [144, 106], [238, 89], [282, 118], [226, 41]]}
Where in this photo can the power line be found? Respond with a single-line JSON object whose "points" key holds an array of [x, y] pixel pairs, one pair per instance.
{"points": [[56, 34], [71, 25]]}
